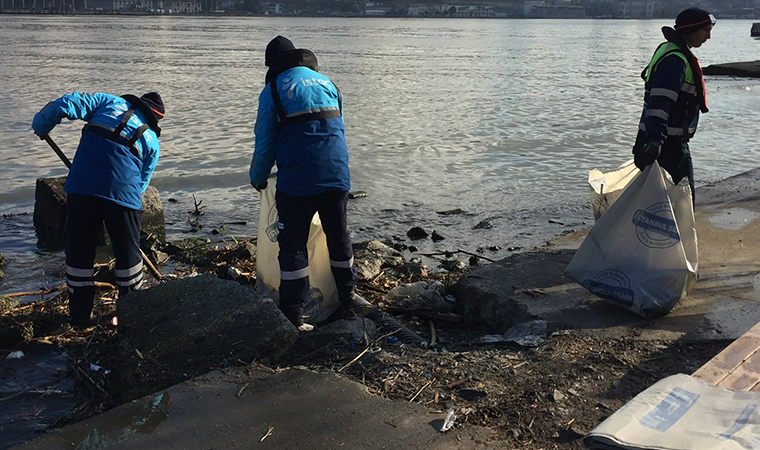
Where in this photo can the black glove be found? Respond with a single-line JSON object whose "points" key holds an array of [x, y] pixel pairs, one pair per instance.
{"points": [[647, 155], [259, 187]]}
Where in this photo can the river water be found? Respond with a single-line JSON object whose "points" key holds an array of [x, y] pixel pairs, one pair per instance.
{"points": [[500, 118]]}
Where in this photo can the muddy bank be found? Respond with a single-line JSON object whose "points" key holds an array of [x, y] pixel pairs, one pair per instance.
{"points": [[532, 397], [534, 392]]}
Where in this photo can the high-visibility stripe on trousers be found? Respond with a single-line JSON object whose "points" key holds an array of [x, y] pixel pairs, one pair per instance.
{"points": [[295, 214], [85, 216]]}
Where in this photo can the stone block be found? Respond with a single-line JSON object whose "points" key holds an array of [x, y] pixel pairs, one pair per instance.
{"points": [[50, 211], [183, 328]]}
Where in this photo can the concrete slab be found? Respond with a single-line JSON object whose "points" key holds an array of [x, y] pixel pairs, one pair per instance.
{"points": [[724, 304], [294, 409]]}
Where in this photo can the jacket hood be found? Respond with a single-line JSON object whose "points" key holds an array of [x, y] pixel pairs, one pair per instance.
{"points": [[290, 59]]}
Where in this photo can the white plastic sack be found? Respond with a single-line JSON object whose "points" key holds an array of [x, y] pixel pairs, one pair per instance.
{"points": [[606, 187], [682, 413], [642, 253], [322, 299]]}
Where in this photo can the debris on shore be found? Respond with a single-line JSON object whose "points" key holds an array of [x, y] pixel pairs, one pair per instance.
{"points": [[545, 393]]}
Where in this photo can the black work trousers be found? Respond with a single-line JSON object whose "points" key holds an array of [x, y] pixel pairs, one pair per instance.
{"points": [[675, 158], [295, 214], [85, 216]]}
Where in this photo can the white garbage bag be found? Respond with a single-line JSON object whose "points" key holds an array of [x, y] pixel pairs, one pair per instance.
{"points": [[642, 253], [322, 299], [606, 187]]}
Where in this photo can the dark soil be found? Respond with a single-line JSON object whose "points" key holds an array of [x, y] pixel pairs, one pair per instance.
{"points": [[545, 397]]}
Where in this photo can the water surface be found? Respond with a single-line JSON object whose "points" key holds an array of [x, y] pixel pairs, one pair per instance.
{"points": [[501, 118]]}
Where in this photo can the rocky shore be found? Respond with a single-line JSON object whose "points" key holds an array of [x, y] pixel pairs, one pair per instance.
{"points": [[515, 353], [738, 69]]}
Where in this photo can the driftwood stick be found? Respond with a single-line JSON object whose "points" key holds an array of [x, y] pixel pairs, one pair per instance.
{"points": [[198, 207], [55, 289], [432, 333], [152, 268], [420, 391], [354, 360], [40, 292], [457, 251], [449, 318]]}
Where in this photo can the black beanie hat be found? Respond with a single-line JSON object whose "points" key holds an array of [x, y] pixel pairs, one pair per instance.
{"points": [[153, 100], [693, 19], [275, 48]]}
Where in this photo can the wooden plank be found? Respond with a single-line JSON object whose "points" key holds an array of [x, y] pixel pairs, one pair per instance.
{"points": [[739, 353], [744, 377]]}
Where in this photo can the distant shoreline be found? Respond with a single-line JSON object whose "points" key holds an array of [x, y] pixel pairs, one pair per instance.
{"points": [[389, 16]]}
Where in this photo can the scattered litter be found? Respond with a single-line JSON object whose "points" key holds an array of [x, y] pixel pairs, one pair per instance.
{"points": [[97, 368], [392, 340], [18, 354], [234, 272], [421, 295], [527, 334], [448, 422]]}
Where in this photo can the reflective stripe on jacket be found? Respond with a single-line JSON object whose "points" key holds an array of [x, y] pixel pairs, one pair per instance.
{"points": [[671, 105]]}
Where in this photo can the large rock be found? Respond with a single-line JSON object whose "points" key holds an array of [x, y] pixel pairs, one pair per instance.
{"points": [[738, 69], [534, 285], [371, 256], [493, 297], [183, 328], [153, 214], [50, 210]]}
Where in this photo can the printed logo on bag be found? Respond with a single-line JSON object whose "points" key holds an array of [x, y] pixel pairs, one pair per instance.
{"points": [[273, 227], [313, 299], [655, 226], [611, 285]]}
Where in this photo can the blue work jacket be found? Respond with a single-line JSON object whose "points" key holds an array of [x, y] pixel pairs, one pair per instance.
{"points": [[101, 167], [311, 155]]}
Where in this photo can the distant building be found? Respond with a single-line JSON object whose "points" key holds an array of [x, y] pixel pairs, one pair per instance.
{"points": [[637, 9], [442, 9], [473, 11], [558, 9], [274, 9]]}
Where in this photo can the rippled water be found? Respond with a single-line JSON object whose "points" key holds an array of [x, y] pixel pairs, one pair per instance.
{"points": [[501, 118]]}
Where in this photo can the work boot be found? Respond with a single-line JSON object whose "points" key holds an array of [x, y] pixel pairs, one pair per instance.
{"points": [[80, 321], [353, 305]]}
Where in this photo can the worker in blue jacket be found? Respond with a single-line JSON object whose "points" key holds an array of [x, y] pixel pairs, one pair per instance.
{"points": [[674, 96], [299, 127], [114, 162]]}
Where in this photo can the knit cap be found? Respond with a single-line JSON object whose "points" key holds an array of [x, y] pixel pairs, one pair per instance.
{"points": [[693, 19]]}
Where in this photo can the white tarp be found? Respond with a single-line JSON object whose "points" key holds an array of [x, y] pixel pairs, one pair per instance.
{"points": [[606, 187], [322, 299], [642, 253], [682, 413]]}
